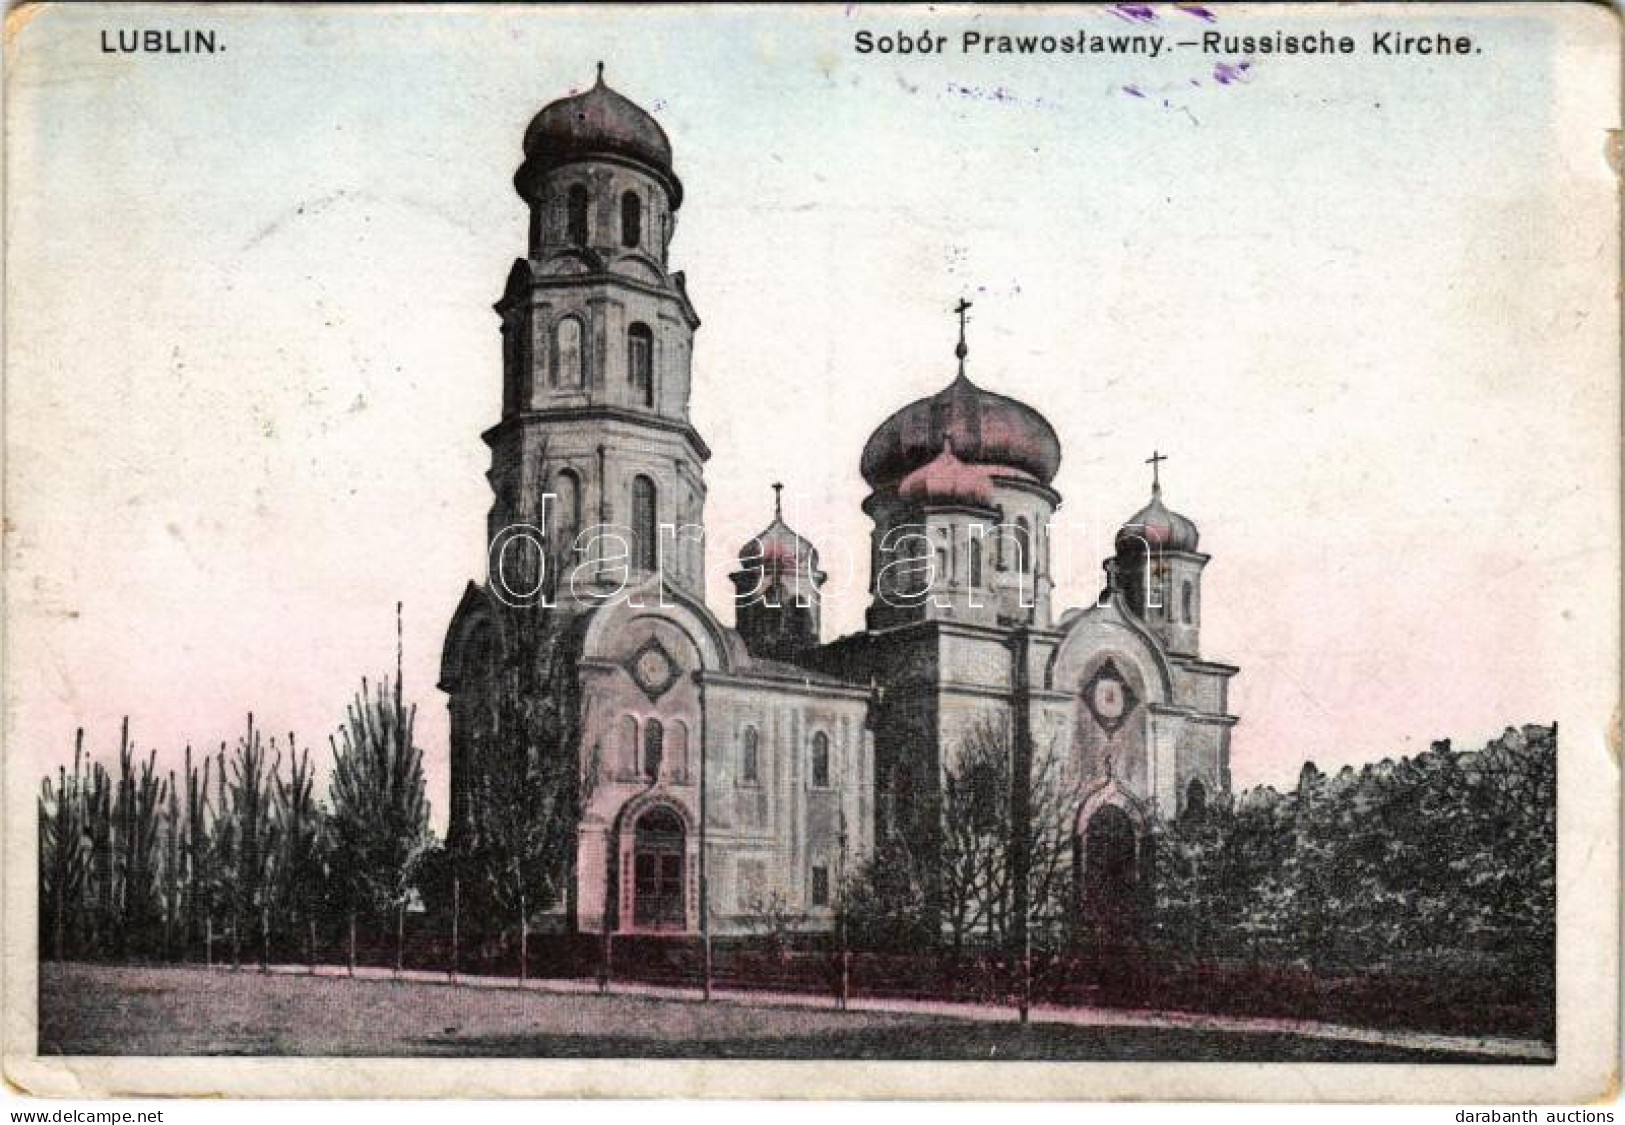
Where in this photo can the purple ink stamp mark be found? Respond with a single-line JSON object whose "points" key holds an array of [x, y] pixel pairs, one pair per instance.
{"points": [[1133, 13]]}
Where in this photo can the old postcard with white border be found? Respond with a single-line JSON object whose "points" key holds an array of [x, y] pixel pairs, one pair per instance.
{"points": [[813, 551]]}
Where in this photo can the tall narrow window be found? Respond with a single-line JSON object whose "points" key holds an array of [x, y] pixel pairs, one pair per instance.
{"points": [[975, 557], [576, 216], [1185, 595], [820, 761], [677, 751], [629, 745], [1024, 546], [510, 367], [567, 353], [640, 347], [820, 884], [566, 512], [750, 765], [654, 747], [631, 219], [645, 549]]}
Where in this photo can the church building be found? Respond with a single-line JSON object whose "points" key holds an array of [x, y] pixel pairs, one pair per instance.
{"points": [[742, 768]]}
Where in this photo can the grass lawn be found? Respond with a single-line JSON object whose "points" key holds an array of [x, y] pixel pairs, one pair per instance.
{"points": [[108, 1010]]}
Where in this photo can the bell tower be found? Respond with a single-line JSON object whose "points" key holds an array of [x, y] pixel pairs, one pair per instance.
{"points": [[594, 445], [1159, 570]]}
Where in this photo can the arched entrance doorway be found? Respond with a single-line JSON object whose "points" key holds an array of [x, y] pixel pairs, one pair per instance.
{"points": [[1110, 859], [657, 871], [1195, 800]]}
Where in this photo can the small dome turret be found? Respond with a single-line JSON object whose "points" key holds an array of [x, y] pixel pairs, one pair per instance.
{"points": [[777, 546], [776, 599], [1158, 527]]}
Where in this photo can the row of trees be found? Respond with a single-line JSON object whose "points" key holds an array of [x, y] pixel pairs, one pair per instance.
{"points": [[1445, 861], [238, 851], [236, 848]]}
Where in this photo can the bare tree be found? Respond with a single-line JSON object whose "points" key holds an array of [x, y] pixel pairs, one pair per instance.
{"points": [[979, 835]]}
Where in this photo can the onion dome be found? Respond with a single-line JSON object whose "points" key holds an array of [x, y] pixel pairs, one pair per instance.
{"points": [[600, 122], [984, 429], [777, 547], [1156, 526], [948, 480]]}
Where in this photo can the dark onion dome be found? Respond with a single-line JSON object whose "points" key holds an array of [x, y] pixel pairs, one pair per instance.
{"points": [[948, 480], [984, 428], [599, 122], [777, 547], [1158, 527]]}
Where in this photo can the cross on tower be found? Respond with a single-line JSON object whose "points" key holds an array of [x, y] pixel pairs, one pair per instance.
{"points": [[961, 350], [777, 510], [1155, 460]]}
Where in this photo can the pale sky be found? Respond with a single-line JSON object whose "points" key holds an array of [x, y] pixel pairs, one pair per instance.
{"points": [[1365, 305]]}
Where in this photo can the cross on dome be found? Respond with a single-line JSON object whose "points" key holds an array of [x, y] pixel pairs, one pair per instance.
{"points": [[1155, 461], [961, 350]]}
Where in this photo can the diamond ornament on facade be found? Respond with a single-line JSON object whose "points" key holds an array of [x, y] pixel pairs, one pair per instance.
{"points": [[1109, 697], [652, 669]]}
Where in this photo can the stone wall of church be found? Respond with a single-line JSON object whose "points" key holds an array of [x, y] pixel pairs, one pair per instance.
{"points": [[776, 838], [1200, 688], [1203, 748]]}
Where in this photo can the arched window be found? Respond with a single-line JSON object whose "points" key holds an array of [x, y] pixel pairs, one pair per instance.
{"points": [[984, 798], [645, 548], [629, 745], [818, 888], [477, 653], [654, 746], [567, 363], [510, 367], [975, 557], [820, 761], [640, 349], [750, 765], [1024, 546], [631, 219], [1185, 596], [677, 745], [998, 542], [576, 216], [566, 512], [1195, 800]]}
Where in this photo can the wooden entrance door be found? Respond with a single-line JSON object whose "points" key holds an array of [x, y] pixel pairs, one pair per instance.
{"points": [[657, 872], [1111, 875]]}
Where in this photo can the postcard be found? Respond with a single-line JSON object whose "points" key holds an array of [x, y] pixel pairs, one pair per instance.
{"points": [[880, 551]]}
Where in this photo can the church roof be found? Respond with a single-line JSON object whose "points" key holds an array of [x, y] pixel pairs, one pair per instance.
{"points": [[777, 545], [1156, 526], [984, 428], [601, 121], [947, 480]]}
